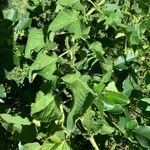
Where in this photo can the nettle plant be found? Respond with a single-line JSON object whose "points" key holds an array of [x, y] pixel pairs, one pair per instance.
{"points": [[74, 74]]}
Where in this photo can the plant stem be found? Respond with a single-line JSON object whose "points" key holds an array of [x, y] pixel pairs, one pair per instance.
{"points": [[92, 140], [63, 54]]}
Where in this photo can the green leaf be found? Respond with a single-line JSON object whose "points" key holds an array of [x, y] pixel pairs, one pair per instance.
{"points": [[45, 109], [129, 85], [75, 4], [117, 109], [111, 87], [71, 78], [107, 66], [147, 100], [56, 142], [114, 101], [30, 146], [67, 2], [23, 23], [99, 104], [11, 14], [136, 35], [120, 62], [143, 135], [143, 131], [96, 125], [132, 124], [146, 103], [35, 42], [20, 6], [148, 108], [63, 19], [17, 121], [143, 141], [98, 88], [2, 91], [96, 47], [106, 77], [82, 95], [117, 98], [44, 65], [113, 15], [21, 128], [76, 28]]}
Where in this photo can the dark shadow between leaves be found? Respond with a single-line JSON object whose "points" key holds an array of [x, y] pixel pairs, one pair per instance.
{"points": [[6, 42]]}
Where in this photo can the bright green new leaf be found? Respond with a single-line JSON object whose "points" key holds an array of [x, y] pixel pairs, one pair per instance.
{"points": [[132, 124], [106, 77], [71, 78]]}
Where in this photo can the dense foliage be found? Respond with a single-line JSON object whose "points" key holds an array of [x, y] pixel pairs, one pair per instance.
{"points": [[75, 74]]}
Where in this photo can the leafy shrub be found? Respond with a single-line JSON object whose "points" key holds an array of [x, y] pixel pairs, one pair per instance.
{"points": [[74, 74]]}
